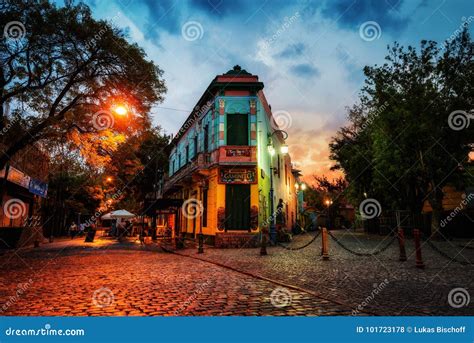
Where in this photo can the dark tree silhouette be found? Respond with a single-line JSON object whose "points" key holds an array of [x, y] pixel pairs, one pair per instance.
{"points": [[59, 63]]}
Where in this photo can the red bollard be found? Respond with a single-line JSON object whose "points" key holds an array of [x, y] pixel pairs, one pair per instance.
{"points": [[325, 244], [419, 260], [401, 243]]}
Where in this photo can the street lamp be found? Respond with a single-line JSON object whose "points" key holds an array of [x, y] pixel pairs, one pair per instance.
{"points": [[121, 110], [300, 188], [328, 203], [271, 151]]}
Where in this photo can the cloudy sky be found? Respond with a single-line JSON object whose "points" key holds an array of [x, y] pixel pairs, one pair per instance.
{"points": [[309, 54]]}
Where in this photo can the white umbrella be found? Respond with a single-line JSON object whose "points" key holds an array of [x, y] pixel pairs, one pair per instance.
{"points": [[121, 214], [106, 216]]}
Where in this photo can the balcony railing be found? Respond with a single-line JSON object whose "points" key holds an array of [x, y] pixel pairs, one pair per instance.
{"points": [[224, 155], [237, 154]]}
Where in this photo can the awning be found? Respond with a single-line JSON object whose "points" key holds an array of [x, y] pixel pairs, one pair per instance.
{"points": [[121, 214]]}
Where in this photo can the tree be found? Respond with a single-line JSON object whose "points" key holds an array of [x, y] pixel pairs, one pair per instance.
{"points": [[73, 189], [59, 63], [410, 136], [137, 166], [327, 196]]}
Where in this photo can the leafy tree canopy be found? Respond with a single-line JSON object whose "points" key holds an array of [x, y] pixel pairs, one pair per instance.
{"points": [[62, 70], [410, 135]]}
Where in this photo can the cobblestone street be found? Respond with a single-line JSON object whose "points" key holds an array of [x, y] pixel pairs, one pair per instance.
{"points": [[107, 278], [402, 289]]}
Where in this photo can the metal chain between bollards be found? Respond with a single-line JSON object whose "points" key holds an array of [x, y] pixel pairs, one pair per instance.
{"points": [[303, 246], [445, 255], [360, 253]]}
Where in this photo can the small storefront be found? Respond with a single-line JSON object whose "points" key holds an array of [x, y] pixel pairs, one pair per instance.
{"points": [[20, 217]]}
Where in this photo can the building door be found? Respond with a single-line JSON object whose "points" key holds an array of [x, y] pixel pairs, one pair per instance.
{"points": [[237, 129], [237, 207]]}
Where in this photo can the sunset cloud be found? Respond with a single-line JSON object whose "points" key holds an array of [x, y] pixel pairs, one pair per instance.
{"points": [[310, 55]]}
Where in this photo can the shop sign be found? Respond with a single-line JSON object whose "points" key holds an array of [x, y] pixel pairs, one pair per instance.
{"points": [[38, 187], [237, 152], [18, 177], [238, 175]]}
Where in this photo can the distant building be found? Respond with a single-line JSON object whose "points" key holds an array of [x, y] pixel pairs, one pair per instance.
{"points": [[226, 161]]}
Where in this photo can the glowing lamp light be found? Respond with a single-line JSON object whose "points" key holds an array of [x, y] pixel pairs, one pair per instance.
{"points": [[271, 149], [284, 149], [297, 186], [109, 179], [120, 110], [303, 186]]}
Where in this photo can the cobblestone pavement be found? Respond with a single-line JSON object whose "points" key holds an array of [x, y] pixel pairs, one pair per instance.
{"points": [[380, 284], [106, 278], [109, 279]]}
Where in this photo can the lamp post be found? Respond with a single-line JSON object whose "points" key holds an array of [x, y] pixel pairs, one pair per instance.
{"points": [[300, 188], [202, 186], [271, 151], [328, 204]]}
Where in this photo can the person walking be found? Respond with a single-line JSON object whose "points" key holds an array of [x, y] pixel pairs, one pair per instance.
{"points": [[73, 230]]}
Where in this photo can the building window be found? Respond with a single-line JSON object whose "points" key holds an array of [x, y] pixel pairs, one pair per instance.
{"points": [[206, 138], [186, 154], [195, 151], [237, 129]]}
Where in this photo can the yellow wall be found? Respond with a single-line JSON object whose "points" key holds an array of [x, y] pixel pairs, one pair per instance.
{"points": [[216, 199]]}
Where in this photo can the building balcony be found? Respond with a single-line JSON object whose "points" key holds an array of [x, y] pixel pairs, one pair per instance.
{"points": [[235, 154], [224, 155]]}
